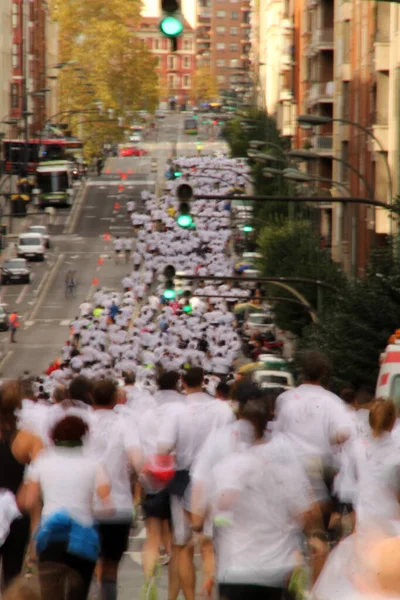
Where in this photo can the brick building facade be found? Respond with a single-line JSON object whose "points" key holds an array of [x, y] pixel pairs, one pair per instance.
{"points": [[176, 70]]}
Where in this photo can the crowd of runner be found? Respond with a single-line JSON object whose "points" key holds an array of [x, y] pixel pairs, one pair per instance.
{"points": [[144, 415]]}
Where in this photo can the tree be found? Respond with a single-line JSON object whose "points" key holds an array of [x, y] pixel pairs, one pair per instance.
{"points": [[355, 330], [291, 249], [205, 87], [108, 66]]}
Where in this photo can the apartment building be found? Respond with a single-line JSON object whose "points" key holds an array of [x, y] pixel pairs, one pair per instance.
{"points": [[32, 38], [273, 60], [230, 40], [175, 69], [5, 59], [203, 33]]}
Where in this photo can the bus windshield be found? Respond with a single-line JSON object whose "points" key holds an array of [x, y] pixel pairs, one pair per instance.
{"points": [[190, 125], [51, 183]]}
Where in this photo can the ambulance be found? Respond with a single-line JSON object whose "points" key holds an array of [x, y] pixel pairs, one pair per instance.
{"points": [[388, 385]]}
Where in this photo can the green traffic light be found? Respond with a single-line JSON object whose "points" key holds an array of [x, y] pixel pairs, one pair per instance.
{"points": [[185, 221], [177, 174], [247, 228], [169, 294], [187, 308], [171, 26]]}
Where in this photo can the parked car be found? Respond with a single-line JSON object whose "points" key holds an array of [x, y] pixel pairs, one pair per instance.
{"points": [[261, 322], [15, 270], [31, 246], [268, 378], [4, 323], [42, 229], [160, 114], [135, 138], [133, 152]]}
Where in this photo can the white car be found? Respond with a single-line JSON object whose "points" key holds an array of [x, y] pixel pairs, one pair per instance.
{"points": [[135, 138], [268, 379], [31, 246], [42, 229], [261, 322]]}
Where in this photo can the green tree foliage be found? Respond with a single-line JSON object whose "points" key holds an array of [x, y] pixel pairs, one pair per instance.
{"points": [[355, 330], [257, 125], [293, 250]]}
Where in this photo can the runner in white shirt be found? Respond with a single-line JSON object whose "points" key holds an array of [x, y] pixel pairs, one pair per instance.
{"points": [[184, 430], [118, 245], [260, 501], [107, 444]]}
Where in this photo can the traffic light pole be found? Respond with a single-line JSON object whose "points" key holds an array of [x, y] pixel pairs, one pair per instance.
{"points": [[312, 199]]}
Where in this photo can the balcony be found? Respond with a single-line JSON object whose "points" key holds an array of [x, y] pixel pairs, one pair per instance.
{"points": [[285, 95], [322, 144], [287, 25], [286, 61], [322, 39], [380, 130], [381, 56], [321, 93]]}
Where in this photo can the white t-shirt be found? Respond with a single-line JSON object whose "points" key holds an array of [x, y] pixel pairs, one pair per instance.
{"points": [[186, 426], [259, 545], [312, 417], [107, 445], [68, 480]]}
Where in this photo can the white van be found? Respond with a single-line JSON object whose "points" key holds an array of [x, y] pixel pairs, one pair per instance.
{"points": [[31, 246]]}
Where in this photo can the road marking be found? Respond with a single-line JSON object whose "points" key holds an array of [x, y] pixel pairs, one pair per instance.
{"points": [[65, 322], [5, 358], [28, 324], [75, 211], [118, 182], [46, 287], [22, 294]]}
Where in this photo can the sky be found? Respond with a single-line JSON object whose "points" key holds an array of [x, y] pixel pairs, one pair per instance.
{"points": [[151, 8]]}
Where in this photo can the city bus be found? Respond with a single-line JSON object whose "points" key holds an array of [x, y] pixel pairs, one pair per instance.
{"points": [[190, 126], [54, 183], [15, 156]]}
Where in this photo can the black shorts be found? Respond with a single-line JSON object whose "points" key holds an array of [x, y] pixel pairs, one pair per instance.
{"points": [[157, 506], [248, 591], [114, 538]]}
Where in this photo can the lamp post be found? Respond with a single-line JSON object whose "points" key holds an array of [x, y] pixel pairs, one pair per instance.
{"points": [[314, 120]]}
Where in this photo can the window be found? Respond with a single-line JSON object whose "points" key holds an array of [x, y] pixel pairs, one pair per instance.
{"points": [[171, 62], [234, 30], [15, 16], [156, 44], [221, 14], [221, 78], [170, 82], [14, 96], [234, 62], [344, 170], [221, 30], [186, 62], [220, 46], [220, 62], [234, 14], [346, 100], [186, 81], [187, 44], [233, 47], [15, 56]]}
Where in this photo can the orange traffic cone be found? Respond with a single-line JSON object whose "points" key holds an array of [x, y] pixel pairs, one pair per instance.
{"points": [[130, 172], [95, 281], [107, 171], [123, 176], [117, 206], [100, 261], [121, 188], [107, 237]]}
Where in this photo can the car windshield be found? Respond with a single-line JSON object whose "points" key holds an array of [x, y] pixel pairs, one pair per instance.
{"points": [[280, 379], [37, 229], [30, 241], [260, 319], [14, 264]]}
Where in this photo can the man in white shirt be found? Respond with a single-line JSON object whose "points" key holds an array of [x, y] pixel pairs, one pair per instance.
{"points": [[184, 430]]}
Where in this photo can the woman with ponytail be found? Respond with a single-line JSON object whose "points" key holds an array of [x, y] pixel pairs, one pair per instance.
{"points": [[376, 464]]}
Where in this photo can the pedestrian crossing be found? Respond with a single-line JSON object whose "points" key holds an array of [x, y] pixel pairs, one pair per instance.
{"points": [[52, 322]]}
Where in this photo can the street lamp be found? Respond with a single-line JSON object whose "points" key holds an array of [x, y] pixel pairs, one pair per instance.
{"points": [[314, 120]]}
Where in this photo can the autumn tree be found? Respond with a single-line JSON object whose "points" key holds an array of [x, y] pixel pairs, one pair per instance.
{"points": [[109, 73], [205, 87]]}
